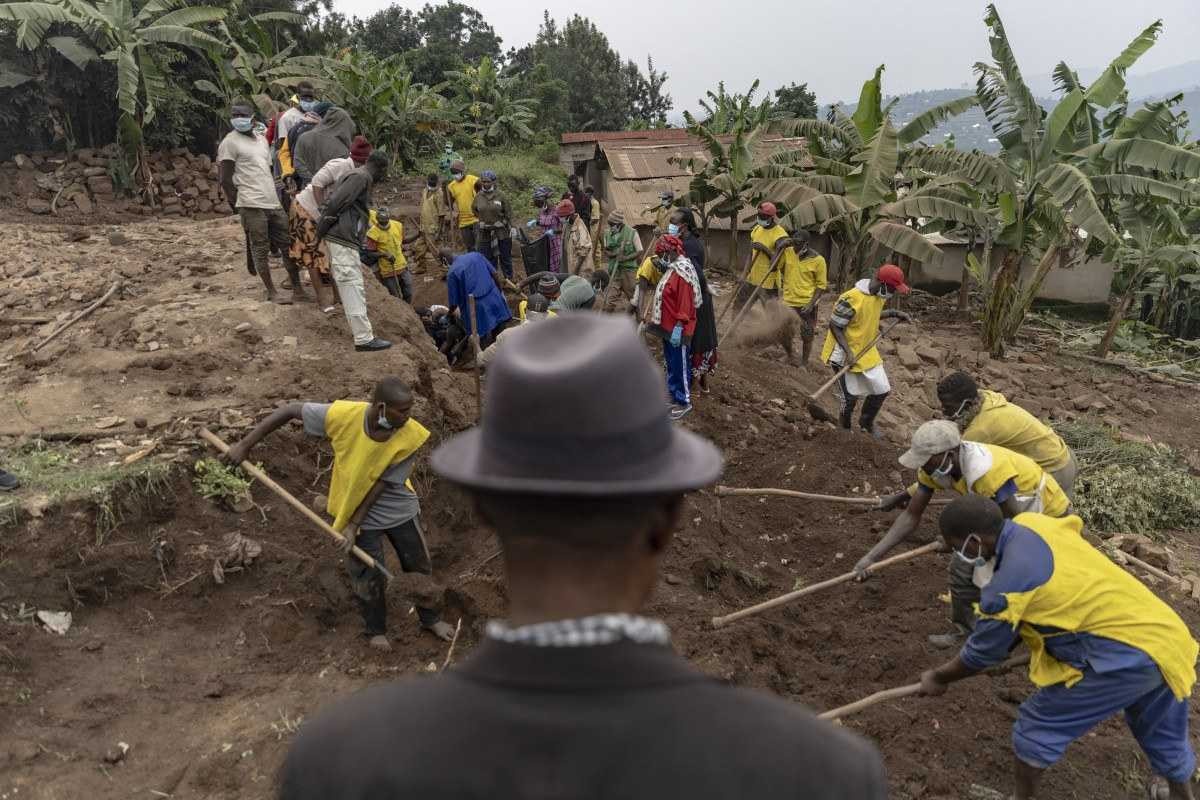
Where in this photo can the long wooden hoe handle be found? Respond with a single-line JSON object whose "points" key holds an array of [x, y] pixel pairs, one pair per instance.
{"points": [[910, 689], [729, 491], [287, 497], [784, 599]]}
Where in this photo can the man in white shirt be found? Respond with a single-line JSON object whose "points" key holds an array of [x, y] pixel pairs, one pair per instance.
{"points": [[245, 163]]}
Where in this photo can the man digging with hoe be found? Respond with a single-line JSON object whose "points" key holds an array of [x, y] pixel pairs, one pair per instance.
{"points": [[576, 695], [370, 496]]}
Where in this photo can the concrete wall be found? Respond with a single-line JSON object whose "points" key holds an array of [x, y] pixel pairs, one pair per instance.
{"points": [[1088, 282]]}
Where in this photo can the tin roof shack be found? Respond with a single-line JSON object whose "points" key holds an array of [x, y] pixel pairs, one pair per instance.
{"points": [[628, 170], [1086, 283]]}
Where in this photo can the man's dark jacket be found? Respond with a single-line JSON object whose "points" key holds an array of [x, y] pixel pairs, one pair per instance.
{"points": [[623, 722], [346, 213]]}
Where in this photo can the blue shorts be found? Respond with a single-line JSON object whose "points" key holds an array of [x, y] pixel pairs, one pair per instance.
{"points": [[1056, 716]]}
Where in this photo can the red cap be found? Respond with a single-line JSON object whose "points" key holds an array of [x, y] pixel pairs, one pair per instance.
{"points": [[768, 209], [565, 209], [892, 276], [360, 149]]}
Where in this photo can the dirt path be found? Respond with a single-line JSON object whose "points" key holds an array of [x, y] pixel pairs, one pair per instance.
{"points": [[205, 683]]}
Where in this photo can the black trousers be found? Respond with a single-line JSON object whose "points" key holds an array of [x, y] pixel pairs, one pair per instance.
{"points": [[503, 248], [370, 585], [871, 405]]}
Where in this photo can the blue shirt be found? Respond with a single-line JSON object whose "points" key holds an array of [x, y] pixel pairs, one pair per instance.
{"points": [[1023, 563], [471, 275]]}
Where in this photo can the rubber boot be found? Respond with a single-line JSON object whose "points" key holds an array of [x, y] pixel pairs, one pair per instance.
{"points": [[870, 411]]}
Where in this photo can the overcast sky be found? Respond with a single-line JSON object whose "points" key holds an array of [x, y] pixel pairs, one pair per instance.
{"points": [[833, 45]]}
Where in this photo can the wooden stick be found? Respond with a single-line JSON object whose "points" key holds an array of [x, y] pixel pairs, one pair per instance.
{"points": [[771, 269], [736, 286], [25, 320], [1153, 570], [288, 498], [476, 349], [480, 565], [729, 491], [453, 641], [116, 287], [870, 700], [783, 599], [910, 689]]}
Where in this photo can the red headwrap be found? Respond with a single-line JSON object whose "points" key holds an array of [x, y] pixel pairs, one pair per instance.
{"points": [[360, 149], [669, 244]]}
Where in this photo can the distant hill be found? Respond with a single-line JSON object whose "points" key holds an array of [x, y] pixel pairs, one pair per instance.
{"points": [[971, 130]]}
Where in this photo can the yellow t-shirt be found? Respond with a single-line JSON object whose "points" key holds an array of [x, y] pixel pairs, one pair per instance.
{"points": [[864, 310], [767, 237], [1002, 423], [464, 192], [802, 278], [649, 272], [359, 460], [390, 242], [1088, 593], [986, 468]]}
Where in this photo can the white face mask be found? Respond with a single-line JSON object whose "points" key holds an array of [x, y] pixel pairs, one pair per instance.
{"points": [[885, 292], [981, 576], [942, 475]]}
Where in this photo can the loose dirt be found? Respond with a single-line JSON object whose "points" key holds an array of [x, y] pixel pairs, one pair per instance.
{"points": [[206, 683]]}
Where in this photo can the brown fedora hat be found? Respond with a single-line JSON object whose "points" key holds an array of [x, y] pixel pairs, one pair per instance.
{"points": [[575, 406]]}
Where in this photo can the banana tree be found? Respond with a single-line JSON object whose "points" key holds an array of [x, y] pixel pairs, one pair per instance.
{"points": [[251, 65], [1049, 206], [488, 101], [853, 190], [389, 107], [725, 112], [724, 182], [137, 41]]}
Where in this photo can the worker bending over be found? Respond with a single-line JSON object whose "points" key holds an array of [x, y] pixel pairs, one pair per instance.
{"points": [[944, 461], [987, 417], [1101, 642], [370, 496], [852, 338]]}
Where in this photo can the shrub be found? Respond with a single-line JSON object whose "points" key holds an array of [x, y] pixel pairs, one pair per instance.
{"points": [[1127, 487]]}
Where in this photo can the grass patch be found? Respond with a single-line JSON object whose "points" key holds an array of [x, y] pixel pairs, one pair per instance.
{"points": [[520, 171], [52, 470], [1128, 487]]}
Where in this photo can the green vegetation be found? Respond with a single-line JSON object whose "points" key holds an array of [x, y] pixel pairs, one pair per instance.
{"points": [[1128, 487], [217, 481], [113, 490]]}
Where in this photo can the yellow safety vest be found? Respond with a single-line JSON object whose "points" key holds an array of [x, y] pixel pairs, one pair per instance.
{"points": [[359, 460], [863, 327], [1088, 593], [767, 237]]}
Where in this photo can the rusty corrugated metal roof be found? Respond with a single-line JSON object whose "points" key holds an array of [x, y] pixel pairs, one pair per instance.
{"points": [[634, 160], [658, 134]]}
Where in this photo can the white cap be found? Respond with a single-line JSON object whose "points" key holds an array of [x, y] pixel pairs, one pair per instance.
{"points": [[935, 436]]}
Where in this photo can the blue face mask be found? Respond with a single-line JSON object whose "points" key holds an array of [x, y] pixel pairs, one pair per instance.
{"points": [[307, 105], [242, 124], [672, 229]]}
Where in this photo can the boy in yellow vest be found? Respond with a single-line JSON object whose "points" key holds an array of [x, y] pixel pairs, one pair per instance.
{"points": [[852, 331], [805, 279], [766, 237], [386, 237], [1101, 642], [370, 496]]}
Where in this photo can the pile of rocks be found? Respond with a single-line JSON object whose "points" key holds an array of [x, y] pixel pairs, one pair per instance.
{"points": [[82, 182]]}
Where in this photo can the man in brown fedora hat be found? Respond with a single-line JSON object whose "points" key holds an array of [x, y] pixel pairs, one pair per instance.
{"points": [[576, 694]]}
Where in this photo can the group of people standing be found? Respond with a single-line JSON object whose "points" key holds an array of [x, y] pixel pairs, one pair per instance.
{"points": [[305, 193]]}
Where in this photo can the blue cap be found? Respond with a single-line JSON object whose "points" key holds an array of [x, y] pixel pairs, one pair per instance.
{"points": [[488, 175]]}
